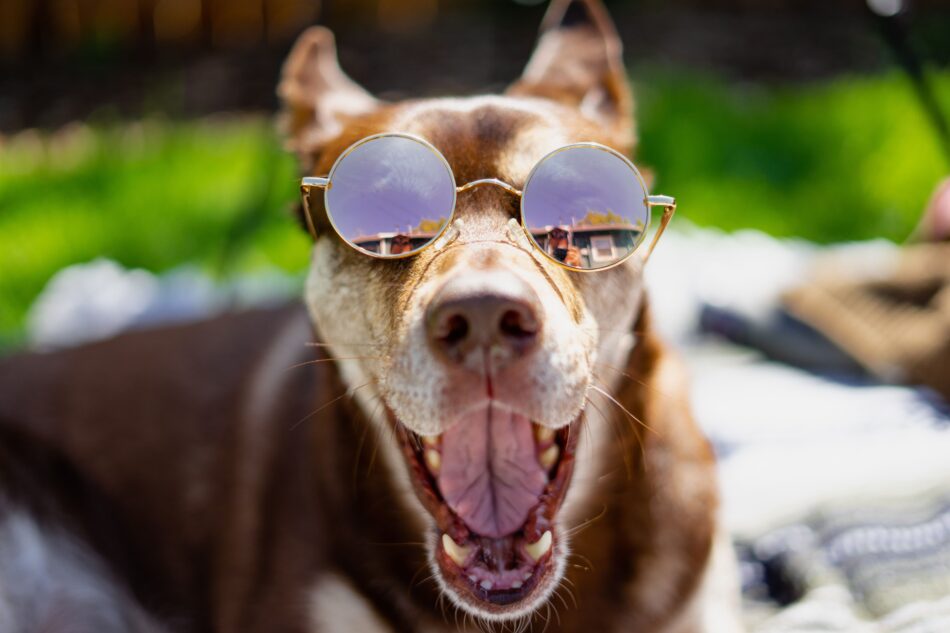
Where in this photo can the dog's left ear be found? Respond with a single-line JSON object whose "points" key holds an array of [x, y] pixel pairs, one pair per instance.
{"points": [[579, 61], [317, 95]]}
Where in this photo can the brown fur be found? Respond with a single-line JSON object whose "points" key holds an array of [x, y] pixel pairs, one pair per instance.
{"points": [[233, 479], [218, 522]]}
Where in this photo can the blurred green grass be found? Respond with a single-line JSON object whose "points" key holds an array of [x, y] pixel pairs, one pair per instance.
{"points": [[846, 160]]}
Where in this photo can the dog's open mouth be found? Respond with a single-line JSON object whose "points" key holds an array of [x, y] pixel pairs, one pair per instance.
{"points": [[494, 482]]}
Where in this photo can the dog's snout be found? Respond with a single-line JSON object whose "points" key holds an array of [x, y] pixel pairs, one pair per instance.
{"points": [[500, 314]]}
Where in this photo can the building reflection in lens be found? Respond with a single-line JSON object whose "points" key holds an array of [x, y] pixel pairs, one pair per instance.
{"points": [[596, 240], [400, 242]]}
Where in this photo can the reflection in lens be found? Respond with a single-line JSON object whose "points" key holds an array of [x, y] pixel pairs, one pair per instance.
{"points": [[390, 195], [585, 207]]}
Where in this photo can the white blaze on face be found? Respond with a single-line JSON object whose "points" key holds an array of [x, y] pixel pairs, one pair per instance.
{"points": [[549, 384]]}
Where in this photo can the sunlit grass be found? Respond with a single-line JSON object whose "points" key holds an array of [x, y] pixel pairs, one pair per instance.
{"points": [[150, 195], [852, 159], [848, 160]]}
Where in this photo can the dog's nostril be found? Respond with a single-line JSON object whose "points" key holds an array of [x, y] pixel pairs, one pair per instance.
{"points": [[516, 324], [456, 329], [476, 313]]}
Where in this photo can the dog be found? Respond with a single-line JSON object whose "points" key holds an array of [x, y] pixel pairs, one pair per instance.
{"points": [[287, 469]]}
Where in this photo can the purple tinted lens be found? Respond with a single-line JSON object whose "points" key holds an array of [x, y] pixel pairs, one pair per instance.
{"points": [[585, 207], [390, 195]]}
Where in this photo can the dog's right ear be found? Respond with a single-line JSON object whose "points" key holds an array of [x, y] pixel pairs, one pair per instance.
{"points": [[317, 95], [579, 62]]}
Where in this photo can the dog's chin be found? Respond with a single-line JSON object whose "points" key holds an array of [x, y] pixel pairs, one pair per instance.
{"points": [[508, 568]]}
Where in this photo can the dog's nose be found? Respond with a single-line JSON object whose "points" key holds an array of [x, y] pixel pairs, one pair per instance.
{"points": [[478, 313]]}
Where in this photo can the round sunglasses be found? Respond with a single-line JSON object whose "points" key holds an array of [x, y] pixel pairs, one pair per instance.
{"points": [[584, 206]]}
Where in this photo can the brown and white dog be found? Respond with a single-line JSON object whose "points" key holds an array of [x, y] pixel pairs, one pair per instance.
{"points": [[218, 477]]}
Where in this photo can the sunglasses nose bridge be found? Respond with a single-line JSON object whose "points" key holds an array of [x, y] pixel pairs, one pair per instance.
{"points": [[495, 182]]}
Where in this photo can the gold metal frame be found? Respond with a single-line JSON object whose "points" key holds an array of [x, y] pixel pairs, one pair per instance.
{"points": [[326, 183], [307, 184]]}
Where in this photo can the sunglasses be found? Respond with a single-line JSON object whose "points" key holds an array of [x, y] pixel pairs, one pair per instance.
{"points": [[584, 206]]}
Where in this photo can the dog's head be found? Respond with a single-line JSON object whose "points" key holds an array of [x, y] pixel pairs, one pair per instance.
{"points": [[480, 354]]}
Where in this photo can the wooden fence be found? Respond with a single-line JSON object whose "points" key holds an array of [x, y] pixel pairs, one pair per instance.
{"points": [[42, 29]]}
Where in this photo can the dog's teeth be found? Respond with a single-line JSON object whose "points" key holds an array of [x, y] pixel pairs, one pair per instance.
{"points": [[430, 440], [541, 547], [549, 456], [473, 579], [516, 584], [543, 433], [433, 461], [456, 552], [486, 584]]}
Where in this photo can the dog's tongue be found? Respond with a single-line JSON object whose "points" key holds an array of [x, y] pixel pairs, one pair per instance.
{"points": [[490, 475]]}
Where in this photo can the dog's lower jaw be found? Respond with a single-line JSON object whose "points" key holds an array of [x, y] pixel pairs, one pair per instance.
{"points": [[489, 612], [511, 574]]}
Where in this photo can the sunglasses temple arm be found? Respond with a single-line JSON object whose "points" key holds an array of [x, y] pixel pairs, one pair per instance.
{"points": [[306, 185], [669, 208]]}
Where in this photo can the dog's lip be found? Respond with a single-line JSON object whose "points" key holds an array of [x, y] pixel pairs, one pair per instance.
{"points": [[493, 589]]}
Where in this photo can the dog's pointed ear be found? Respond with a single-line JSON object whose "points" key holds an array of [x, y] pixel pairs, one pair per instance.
{"points": [[317, 95], [579, 61]]}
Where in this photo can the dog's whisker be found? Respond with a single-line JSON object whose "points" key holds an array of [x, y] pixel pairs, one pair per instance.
{"points": [[380, 429], [376, 436], [643, 383], [557, 614], [618, 432], [547, 618], [570, 594], [359, 453], [607, 395], [586, 523], [397, 544], [348, 392], [412, 581], [588, 432], [638, 428], [637, 432], [317, 361], [621, 331], [560, 597], [318, 344], [370, 425], [584, 559]]}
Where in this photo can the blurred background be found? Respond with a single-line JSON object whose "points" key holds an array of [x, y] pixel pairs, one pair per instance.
{"points": [[142, 180], [142, 130]]}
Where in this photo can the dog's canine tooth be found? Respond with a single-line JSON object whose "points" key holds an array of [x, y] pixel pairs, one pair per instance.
{"points": [[543, 433], [433, 461], [456, 552], [486, 584], [517, 584], [431, 440], [549, 456], [540, 548]]}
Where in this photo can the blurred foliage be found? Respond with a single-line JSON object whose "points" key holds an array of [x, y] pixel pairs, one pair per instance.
{"points": [[851, 159], [846, 160], [150, 195]]}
